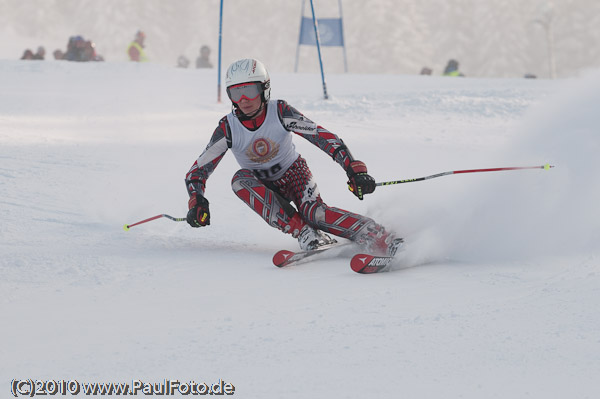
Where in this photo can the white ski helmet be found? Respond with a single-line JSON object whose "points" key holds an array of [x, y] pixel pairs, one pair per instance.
{"points": [[249, 70]]}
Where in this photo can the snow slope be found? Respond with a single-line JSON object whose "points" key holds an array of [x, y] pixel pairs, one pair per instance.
{"points": [[499, 290]]}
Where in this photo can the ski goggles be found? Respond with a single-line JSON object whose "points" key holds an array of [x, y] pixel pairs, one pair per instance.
{"points": [[249, 91]]}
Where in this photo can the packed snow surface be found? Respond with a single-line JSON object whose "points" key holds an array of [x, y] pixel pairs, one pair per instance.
{"points": [[496, 295]]}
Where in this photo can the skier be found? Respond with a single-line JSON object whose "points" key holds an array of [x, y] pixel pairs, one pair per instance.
{"points": [[259, 133]]}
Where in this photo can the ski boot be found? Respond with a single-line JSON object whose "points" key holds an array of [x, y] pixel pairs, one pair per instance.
{"points": [[381, 243], [311, 238]]}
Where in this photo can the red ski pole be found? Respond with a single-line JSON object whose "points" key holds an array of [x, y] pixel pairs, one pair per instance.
{"points": [[455, 172], [128, 226]]}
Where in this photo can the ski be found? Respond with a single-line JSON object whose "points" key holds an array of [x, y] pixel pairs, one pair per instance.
{"points": [[369, 264], [284, 257]]}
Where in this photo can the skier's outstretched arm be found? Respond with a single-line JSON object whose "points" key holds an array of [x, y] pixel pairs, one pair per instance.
{"points": [[195, 180], [327, 141], [359, 181]]}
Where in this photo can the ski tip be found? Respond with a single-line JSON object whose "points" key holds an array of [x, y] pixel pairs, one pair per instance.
{"points": [[282, 257], [369, 264], [360, 261]]}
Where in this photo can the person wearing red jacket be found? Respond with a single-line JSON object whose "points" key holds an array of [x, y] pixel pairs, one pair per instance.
{"points": [[273, 176]]}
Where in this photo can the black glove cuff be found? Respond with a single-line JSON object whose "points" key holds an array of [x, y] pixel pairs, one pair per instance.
{"points": [[201, 201]]}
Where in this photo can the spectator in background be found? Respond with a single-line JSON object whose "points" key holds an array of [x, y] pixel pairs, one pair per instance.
{"points": [[58, 54], [136, 48], [74, 49], [27, 55], [80, 50], [39, 55], [202, 61], [89, 52], [452, 69], [183, 61]]}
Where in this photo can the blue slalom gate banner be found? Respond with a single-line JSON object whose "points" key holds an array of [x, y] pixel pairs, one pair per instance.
{"points": [[330, 32], [321, 32]]}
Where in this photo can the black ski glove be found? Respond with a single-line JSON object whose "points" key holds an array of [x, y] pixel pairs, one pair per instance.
{"points": [[198, 215], [359, 181]]}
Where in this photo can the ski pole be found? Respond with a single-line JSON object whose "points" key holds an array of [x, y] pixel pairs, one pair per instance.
{"points": [[455, 172], [128, 226]]}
